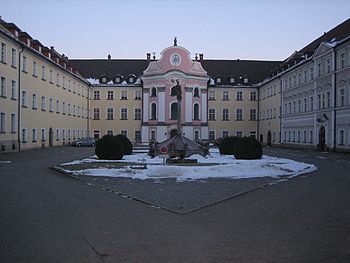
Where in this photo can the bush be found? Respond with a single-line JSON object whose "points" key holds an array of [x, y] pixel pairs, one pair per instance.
{"points": [[110, 148], [126, 143], [248, 148], [227, 145]]}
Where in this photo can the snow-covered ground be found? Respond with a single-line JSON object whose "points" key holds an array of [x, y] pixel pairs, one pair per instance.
{"points": [[213, 166]]}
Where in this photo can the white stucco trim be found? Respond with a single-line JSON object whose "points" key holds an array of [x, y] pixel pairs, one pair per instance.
{"points": [[161, 106], [204, 108]]}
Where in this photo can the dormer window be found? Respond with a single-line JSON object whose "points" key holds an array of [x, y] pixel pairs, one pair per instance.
{"points": [[218, 80], [245, 80], [131, 78], [117, 79], [104, 80], [232, 80], [196, 93]]}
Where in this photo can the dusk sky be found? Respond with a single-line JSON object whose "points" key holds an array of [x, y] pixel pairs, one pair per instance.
{"points": [[221, 29]]}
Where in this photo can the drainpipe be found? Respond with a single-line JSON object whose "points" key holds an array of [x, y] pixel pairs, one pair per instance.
{"points": [[88, 112], [258, 125], [280, 111], [19, 100], [335, 102]]}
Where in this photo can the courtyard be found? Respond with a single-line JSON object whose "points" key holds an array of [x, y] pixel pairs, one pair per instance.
{"points": [[50, 217]]}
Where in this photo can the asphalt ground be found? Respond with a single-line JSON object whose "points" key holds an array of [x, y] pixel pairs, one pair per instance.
{"points": [[48, 217]]}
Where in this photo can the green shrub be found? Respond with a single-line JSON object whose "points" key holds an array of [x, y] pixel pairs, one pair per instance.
{"points": [[127, 144], [248, 148], [110, 148], [227, 145]]}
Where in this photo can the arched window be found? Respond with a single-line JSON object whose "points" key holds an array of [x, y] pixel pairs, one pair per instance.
{"points": [[154, 92], [196, 93], [153, 111], [173, 111], [196, 111]]}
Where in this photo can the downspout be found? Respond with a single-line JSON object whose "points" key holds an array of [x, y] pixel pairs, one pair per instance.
{"points": [[335, 102], [258, 125], [88, 111], [281, 110], [19, 100]]}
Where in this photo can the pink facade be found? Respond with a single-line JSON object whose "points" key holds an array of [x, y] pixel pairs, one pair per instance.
{"points": [[174, 65]]}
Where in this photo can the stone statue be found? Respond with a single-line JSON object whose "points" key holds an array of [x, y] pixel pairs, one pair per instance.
{"points": [[176, 91]]}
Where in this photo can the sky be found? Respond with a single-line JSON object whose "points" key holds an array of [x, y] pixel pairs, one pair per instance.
{"points": [[220, 29]]}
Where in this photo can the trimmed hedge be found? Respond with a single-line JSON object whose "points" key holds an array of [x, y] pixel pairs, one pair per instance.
{"points": [[110, 148], [248, 148], [227, 145], [127, 144]]}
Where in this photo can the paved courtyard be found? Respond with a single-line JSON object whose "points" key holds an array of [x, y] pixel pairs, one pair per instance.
{"points": [[49, 217]]}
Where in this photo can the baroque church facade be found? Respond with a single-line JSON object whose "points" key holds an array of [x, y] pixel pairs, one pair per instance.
{"points": [[47, 99]]}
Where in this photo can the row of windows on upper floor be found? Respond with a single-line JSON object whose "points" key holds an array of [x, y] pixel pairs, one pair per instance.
{"points": [[137, 134], [239, 116], [226, 95], [111, 95], [110, 114], [306, 74], [118, 79], [232, 80], [60, 107], [60, 79], [324, 101]]}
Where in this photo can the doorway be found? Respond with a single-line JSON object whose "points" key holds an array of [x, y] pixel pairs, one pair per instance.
{"points": [[322, 138], [269, 138], [50, 137]]}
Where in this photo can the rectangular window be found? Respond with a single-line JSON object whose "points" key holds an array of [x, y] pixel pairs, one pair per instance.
{"points": [[252, 95], [50, 105], [252, 134], [319, 101], [96, 114], [110, 114], [57, 134], [2, 122], [239, 114], [239, 134], [96, 94], [137, 94], [196, 135], [153, 135], [304, 139], [305, 104], [211, 95], [342, 60], [57, 79], [63, 107], [63, 82], [311, 73], [34, 136], [253, 114], [342, 97], [14, 58], [124, 95], [211, 135], [225, 114], [24, 99], [96, 134], [319, 69], [74, 90], [328, 99], [212, 114], [57, 106], [34, 102], [110, 95], [13, 122], [299, 106], [137, 136], [3, 87], [50, 76], [69, 109], [69, 88], [109, 132], [239, 95], [299, 136], [35, 69], [225, 95], [305, 76], [43, 134], [137, 114], [124, 114], [43, 73], [224, 134], [3, 52], [24, 135], [124, 133], [24, 64], [341, 137], [329, 65], [311, 103], [43, 103]]}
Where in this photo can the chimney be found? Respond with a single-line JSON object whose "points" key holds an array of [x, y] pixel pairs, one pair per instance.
{"points": [[200, 57], [196, 57], [148, 57], [109, 56]]}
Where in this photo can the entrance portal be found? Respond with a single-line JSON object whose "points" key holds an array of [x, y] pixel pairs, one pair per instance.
{"points": [[269, 138], [322, 138], [50, 137]]}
